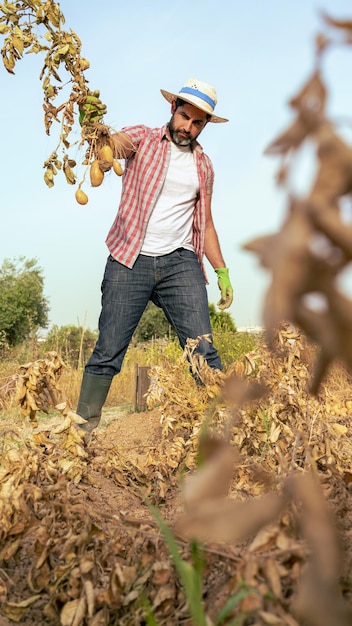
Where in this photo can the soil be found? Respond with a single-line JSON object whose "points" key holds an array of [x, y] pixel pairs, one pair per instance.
{"points": [[133, 436]]}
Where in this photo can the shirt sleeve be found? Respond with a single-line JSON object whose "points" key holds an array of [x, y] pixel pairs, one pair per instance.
{"points": [[135, 133], [209, 183]]}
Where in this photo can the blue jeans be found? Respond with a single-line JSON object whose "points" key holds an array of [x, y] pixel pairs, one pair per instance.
{"points": [[175, 282]]}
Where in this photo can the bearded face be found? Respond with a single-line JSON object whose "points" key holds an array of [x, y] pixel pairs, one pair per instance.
{"points": [[186, 123]]}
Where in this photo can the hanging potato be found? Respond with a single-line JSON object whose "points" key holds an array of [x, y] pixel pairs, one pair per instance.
{"points": [[106, 154], [96, 174], [81, 197], [117, 167]]}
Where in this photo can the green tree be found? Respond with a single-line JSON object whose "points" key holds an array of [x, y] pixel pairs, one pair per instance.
{"points": [[153, 325], [73, 343], [23, 307], [221, 320]]}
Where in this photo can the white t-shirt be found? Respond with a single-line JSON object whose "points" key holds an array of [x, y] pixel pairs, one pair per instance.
{"points": [[170, 224]]}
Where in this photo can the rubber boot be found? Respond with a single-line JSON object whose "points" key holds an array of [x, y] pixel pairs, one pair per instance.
{"points": [[94, 389]]}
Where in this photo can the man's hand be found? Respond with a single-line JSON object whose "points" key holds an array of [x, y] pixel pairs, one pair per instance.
{"points": [[225, 287], [92, 109]]}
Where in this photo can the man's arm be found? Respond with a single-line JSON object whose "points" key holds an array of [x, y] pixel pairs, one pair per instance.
{"points": [[214, 255], [211, 243], [123, 146]]}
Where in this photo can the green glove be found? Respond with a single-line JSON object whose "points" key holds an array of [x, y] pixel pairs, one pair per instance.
{"points": [[225, 287], [92, 109]]}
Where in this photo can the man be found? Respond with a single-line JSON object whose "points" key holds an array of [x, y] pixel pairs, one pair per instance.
{"points": [[162, 230]]}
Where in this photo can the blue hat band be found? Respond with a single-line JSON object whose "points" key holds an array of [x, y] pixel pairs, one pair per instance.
{"points": [[199, 94]]}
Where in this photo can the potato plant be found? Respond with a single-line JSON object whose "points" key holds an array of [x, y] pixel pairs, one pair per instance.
{"points": [[36, 27]]}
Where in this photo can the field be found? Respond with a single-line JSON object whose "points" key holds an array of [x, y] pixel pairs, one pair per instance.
{"points": [[226, 503], [223, 503]]}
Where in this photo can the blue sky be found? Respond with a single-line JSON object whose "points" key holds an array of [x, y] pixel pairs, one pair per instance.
{"points": [[256, 53]]}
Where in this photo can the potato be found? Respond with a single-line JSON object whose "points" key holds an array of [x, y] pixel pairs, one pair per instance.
{"points": [[106, 154], [96, 174], [81, 197], [117, 167]]}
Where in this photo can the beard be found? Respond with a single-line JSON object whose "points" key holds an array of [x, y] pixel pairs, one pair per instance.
{"points": [[177, 139]]}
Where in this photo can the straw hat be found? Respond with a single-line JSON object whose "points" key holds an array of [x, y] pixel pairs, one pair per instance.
{"points": [[201, 95]]}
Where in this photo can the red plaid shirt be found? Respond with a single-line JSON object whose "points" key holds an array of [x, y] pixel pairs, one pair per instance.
{"points": [[143, 179]]}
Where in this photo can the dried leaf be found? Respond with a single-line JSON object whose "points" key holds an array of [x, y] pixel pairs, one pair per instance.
{"points": [[213, 478], [15, 610], [229, 521], [331, 21], [73, 612], [265, 539]]}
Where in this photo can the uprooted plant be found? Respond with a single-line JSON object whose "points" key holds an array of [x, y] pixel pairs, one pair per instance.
{"points": [[37, 27]]}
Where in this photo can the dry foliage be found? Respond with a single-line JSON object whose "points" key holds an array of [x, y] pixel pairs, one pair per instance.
{"points": [[249, 465], [36, 388], [314, 244], [262, 459]]}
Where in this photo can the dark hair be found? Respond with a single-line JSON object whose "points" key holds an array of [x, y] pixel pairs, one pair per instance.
{"points": [[181, 103]]}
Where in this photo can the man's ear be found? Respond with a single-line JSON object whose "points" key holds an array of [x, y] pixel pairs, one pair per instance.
{"points": [[173, 106]]}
